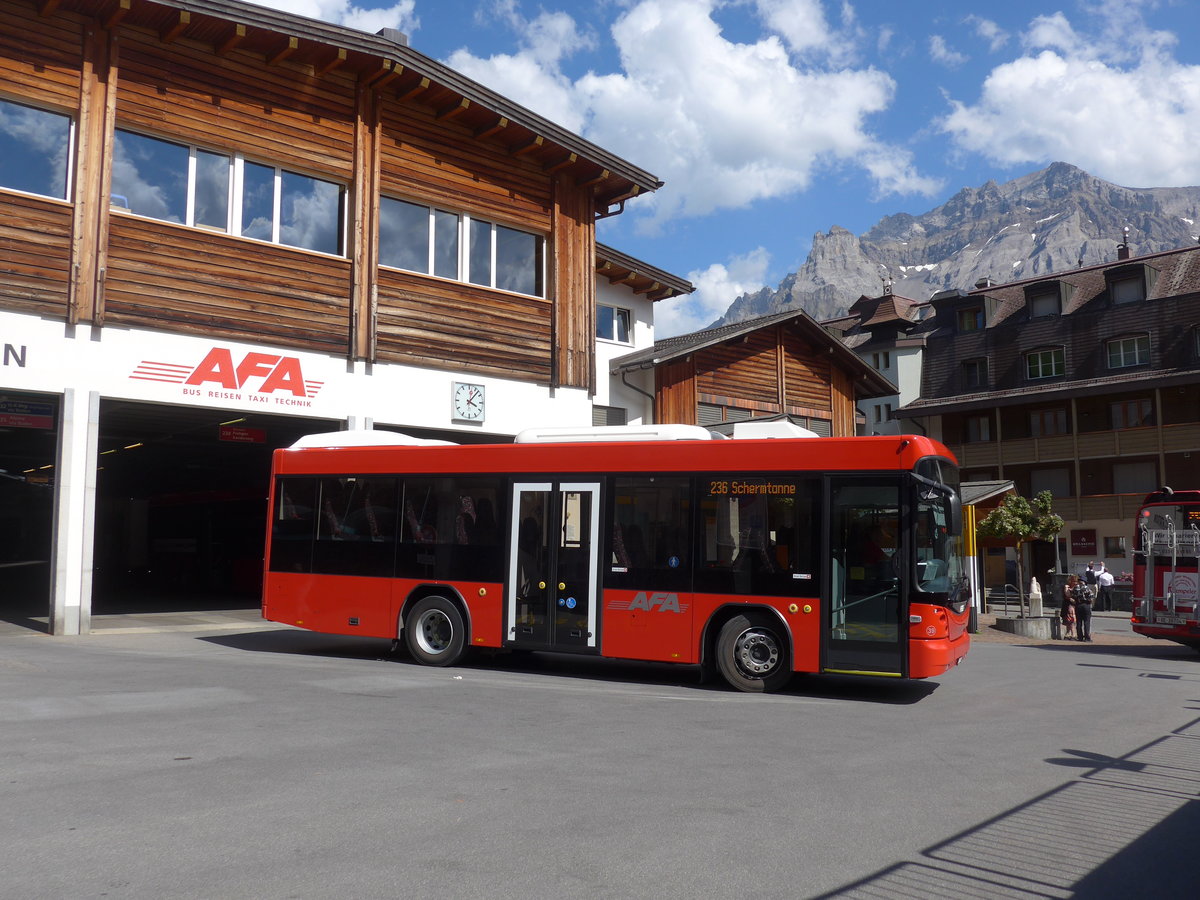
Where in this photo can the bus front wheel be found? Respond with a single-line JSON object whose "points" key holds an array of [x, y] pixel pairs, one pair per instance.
{"points": [[752, 654], [435, 632]]}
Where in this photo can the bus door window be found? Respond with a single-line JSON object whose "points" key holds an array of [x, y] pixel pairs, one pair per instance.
{"points": [[533, 576], [867, 563], [554, 565], [758, 535], [573, 571]]}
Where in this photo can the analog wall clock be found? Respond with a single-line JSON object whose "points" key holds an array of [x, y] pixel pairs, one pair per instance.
{"points": [[468, 403]]}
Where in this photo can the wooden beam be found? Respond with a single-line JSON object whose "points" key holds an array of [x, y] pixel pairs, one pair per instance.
{"points": [[649, 289], [417, 88], [529, 147], [332, 63], [486, 132], [568, 160], [235, 37], [595, 179], [47, 8], [113, 19], [383, 75], [182, 21], [285, 50], [454, 109]]}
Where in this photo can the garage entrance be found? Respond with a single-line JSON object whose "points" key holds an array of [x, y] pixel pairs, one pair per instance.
{"points": [[28, 445], [181, 505]]}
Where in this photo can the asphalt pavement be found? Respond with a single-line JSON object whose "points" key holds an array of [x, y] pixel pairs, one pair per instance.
{"points": [[245, 760]]}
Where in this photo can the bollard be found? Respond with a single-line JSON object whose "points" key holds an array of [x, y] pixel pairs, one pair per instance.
{"points": [[1055, 628]]}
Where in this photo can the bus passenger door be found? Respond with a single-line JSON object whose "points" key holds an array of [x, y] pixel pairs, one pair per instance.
{"points": [[553, 564], [863, 631]]}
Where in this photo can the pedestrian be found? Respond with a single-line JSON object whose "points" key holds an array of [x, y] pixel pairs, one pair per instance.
{"points": [[1083, 612], [1104, 585], [1089, 574], [1067, 610]]}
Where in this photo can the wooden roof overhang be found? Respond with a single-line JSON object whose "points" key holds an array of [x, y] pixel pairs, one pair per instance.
{"points": [[385, 63], [640, 277]]}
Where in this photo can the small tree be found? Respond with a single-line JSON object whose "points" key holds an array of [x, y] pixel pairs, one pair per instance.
{"points": [[1018, 520]]}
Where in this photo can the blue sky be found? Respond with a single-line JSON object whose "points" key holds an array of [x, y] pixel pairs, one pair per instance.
{"points": [[770, 120]]}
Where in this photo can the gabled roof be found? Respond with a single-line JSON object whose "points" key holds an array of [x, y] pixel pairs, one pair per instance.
{"points": [[872, 383], [384, 61], [641, 277], [975, 492]]}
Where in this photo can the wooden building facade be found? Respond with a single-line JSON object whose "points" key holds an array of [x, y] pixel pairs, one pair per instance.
{"points": [[781, 366], [222, 226]]}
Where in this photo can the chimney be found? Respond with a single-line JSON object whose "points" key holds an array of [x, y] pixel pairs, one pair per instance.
{"points": [[1123, 247], [395, 35], [984, 282]]}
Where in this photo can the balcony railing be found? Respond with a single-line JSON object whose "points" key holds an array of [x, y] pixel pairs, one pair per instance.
{"points": [[1091, 445]]}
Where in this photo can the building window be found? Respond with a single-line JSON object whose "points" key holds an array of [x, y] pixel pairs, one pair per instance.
{"points": [[975, 373], [612, 324], [881, 361], [1046, 422], [1045, 305], [1129, 351], [35, 146], [1136, 413], [1056, 481], [970, 319], [608, 415], [1134, 477], [1114, 547], [1128, 290], [882, 412], [1044, 364], [188, 185], [432, 241], [978, 429]]}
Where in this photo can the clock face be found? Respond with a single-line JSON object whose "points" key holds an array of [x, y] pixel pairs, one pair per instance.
{"points": [[469, 402]]}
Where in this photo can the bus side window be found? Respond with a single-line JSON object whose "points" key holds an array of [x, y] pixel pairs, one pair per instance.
{"points": [[650, 533], [292, 524]]}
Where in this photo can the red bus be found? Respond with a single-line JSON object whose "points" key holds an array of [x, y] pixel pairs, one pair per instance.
{"points": [[1166, 567], [755, 557]]}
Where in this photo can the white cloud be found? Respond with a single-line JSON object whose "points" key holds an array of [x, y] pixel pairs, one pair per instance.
{"points": [[1113, 101], [401, 15], [724, 123], [996, 36], [715, 287], [941, 52]]}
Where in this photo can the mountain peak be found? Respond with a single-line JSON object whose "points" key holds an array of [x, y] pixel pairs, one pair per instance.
{"points": [[1057, 218]]}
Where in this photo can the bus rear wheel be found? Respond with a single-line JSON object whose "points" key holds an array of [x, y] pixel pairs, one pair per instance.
{"points": [[752, 654], [435, 632]]}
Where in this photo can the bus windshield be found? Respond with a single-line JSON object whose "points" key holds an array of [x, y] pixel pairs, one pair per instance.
{"points": [[938, 538]]}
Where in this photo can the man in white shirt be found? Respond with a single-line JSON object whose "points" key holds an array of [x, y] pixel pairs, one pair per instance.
{"points": [[1104, 580]]}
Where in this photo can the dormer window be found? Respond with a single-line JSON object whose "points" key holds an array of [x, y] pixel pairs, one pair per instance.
{"points": [[1130, 283], [1050, 363], [970, 318], [1128, 290], [1042, 305]]}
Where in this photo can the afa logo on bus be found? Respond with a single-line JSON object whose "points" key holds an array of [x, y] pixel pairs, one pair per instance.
{"points": [[254, 373], [650, 602]]}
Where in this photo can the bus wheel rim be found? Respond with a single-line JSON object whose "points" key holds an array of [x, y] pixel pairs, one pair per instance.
{"points": [[757, 653], [435, 631]]}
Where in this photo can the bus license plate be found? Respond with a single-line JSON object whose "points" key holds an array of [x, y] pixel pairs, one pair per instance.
{"points": [[1169, 620]]}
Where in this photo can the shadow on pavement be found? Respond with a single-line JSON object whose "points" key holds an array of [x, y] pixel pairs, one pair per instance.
{"points": [[567, 665], [1117, 831]]}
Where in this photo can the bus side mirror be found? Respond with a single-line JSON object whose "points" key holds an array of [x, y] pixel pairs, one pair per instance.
{"points": [[955, 511]]}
